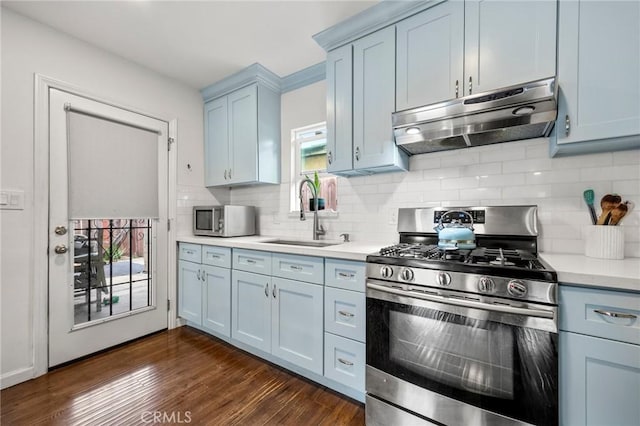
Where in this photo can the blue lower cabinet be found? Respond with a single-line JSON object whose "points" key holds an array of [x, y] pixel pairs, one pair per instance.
{"points": [[599, 381], [296, 318], [344, 361], [189, 292], [216, 296], [251, 309]]}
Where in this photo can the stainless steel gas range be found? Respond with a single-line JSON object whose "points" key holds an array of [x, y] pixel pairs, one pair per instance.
{"points": [[462, 337]]}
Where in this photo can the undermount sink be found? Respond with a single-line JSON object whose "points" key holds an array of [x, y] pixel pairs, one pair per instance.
{"points": [[302, 243]]}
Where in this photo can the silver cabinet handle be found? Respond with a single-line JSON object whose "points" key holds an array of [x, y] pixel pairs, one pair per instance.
{"points": [[357, 153], [345, 362], [345, 275], [273, 291], [457, 88], [189, 251], [251, 261], [346, 314], [225, 174], [295, 267], [199, 275], [61, 249], [60, 230], [329, 157], [214, 256], [266, 289], [615, 314], [229, 173], [470, 85], [567, 125]]}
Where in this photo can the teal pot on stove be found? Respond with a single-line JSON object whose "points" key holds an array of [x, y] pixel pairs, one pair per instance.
{"points": [[456, 235]]}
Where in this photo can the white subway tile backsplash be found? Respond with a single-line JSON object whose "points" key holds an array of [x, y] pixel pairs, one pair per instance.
{"points": [[501, 174]]}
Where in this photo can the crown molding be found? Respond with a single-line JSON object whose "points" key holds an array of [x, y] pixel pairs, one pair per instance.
{"points": [[254, 73], [304, 77], [381, 15]]}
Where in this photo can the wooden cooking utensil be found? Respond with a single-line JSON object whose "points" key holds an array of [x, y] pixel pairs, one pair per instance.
{"points": [[618, 213], [608, 203]]}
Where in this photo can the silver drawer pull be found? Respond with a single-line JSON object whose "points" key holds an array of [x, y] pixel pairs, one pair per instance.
{"points": [[615, 314], [296, 267], [189, 251], [344, 275], [346, 314], [251, 261], [345, 362], [214, 256]]}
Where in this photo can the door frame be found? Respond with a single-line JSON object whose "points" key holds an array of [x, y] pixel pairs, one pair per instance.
{"points": [[40, 278]]}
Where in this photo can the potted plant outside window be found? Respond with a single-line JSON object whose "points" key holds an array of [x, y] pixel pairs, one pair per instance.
{"points": [[312, 201]]}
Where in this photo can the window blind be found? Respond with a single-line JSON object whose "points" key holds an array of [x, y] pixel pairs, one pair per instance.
{"points": [[113, 168]]}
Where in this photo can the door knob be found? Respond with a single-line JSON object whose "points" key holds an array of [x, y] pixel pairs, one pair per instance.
{"points": [[60, 230], [61, 249]]}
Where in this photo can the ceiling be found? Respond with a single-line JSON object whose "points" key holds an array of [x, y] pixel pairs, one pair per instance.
{"points": [[199, 42]]}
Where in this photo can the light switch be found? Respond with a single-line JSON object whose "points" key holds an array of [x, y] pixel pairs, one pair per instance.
{"points": [[12, 199]]}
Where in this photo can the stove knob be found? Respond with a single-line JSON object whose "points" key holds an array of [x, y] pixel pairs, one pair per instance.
{"points": [[517, 288], [486, 285], [386, 272], [444, 279], [407, 274]]}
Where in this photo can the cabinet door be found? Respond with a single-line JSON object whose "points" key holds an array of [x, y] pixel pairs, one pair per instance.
{"points": [[297, 323], [429, 62], [217, 299], [508, 42], [599, 381], [216, 142], [374, 99], [251, 309], [340, 109], [598, 70], [190, 292], [243, 135]]}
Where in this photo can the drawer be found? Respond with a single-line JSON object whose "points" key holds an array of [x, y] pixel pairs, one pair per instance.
{"points": [[252, 261], [189, 252], [614, 315], [216, 256], [345, 274], [344, 361], [296, 267], [344, 313]]}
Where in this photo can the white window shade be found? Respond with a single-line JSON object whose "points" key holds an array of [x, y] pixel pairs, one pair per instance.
{"points": [[113, 169]]}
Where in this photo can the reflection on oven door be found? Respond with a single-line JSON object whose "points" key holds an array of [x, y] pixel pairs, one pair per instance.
{"points": [[476, 356]]}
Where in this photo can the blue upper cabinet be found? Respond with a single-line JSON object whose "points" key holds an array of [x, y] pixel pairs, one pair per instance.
{"points": [[242, 129], [459, 48], [508, 42], [429, 62], [360, 100], [374, 79], [598, 77], [340, 110]]}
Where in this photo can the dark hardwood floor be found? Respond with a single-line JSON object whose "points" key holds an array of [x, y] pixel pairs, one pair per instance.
{"points": [[178, 376]]}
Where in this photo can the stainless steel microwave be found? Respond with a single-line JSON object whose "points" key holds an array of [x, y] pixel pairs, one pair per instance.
{"points": [[224, 221]]}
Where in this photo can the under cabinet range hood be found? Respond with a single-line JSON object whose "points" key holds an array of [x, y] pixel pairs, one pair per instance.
{"points": [[512, 113]]}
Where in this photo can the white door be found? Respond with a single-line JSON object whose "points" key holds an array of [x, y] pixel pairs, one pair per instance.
{"points": [[108, 202]]}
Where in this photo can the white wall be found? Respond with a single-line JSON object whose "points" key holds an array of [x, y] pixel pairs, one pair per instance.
{"points": [[27, 48], [510, 173]]}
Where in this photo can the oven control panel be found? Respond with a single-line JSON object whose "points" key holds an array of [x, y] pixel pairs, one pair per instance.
{"points": [[477, 215]]}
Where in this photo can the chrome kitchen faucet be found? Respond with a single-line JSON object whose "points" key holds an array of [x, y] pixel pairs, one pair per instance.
{"points": [[317, 229]]}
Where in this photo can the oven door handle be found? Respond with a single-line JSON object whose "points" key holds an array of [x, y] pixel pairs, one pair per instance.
{"points": [[464, 303]]}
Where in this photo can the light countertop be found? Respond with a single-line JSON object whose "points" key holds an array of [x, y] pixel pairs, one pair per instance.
{"points": [[348, 251], [571, 268], [586, 271]]}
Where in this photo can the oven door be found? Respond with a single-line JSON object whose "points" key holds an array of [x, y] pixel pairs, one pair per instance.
{"points": [[459, 361]]}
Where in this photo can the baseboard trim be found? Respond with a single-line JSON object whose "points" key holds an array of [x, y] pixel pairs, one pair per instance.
{"points": [[15, 377]]}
